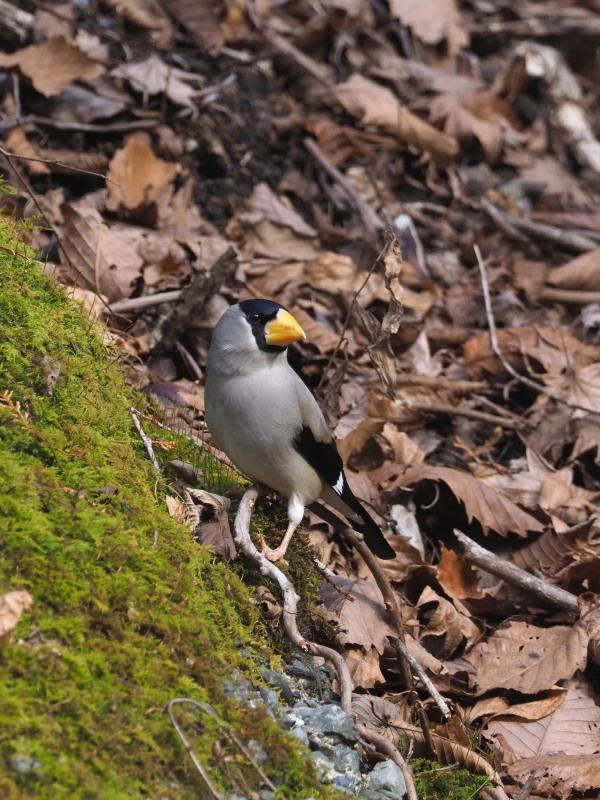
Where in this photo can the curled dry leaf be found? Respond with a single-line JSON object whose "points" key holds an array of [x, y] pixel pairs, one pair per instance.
{"points": [[215, 534], [12, 605], [571, 726], [374, 104], [523, 657], [382, 716], [52, 65], [481, 503]]}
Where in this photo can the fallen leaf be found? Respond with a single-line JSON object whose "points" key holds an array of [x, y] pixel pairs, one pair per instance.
{"points": [[52, 65], [571, 727], [433, 22], [152, 76], [558, 776], [481, 503], [374, 104], [523, 657], [137, 179], [12, 605]]}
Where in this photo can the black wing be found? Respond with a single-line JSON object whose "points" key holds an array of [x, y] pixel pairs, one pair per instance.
{"points": [[327, 462]]}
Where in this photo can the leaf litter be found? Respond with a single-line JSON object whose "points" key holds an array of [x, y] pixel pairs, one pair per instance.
{"points": [[354, 154]]}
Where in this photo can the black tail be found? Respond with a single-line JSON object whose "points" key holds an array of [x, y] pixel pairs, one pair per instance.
{"points": [[374, 538]]}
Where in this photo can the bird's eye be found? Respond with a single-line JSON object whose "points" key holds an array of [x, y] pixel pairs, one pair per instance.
{"points": [[253, 317]]}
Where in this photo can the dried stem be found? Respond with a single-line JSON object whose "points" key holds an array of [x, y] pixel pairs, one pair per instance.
{"points": [[550, 595]]}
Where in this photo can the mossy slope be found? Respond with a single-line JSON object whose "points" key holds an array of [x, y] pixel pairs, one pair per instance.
{"points": [[129, 612]]}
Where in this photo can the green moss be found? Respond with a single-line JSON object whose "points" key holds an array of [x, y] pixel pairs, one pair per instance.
{"points": [[434, 782], [129, 611]]}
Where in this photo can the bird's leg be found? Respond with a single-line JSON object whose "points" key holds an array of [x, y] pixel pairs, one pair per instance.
{"points": [[279, 552]]}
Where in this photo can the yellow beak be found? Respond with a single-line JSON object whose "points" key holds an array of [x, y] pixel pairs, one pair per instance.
{"points": [[283, 330]]}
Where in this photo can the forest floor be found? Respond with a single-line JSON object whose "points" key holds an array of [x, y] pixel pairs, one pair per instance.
{"points": [[418, 183]]}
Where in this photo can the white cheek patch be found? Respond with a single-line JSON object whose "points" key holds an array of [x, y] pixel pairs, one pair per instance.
{"points": [[339, 486]]}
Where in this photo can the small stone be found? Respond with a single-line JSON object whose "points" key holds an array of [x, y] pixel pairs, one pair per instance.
{"points": [[277, 680], [271, 699], [387, 776], [257, 751], [346, 760], [330, 719]]}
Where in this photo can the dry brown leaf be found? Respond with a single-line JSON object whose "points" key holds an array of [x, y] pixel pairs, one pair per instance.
{"points": [[553, 551], [215, 534], [433, 22], [52, 65], [445, 629], [579, 385], [541, 347], [147, 14], [572, 727], [582, 272], [480, 115], [374, 104], [356, 440], [177, 509], [363, 622], [499, 705], [201, 19], [524, 657], [138, 179], [555, 181], [364, 666], [559, 776], [12, 605], [481, 503], [152, 76]]}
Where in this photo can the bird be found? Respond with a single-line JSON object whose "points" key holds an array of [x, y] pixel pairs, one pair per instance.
{"points": [[267, 421]]}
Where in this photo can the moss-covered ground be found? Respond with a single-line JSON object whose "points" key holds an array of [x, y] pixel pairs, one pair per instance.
{"points": [[129, 611]]}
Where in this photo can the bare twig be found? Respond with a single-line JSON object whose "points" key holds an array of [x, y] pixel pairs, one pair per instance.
{"points": [[527, 788], [438, 382], [147, 301], [550, 595], [516, 227], [496, 347], [470, 413], [391, 751], [145, 439], [367, 216], [194, 298], [57, 164], [241, 535], [574, 297], [201, 771]]}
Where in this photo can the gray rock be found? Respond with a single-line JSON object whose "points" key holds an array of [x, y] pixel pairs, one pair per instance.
{"points": [[387, 777], [257, 751], [329, 719], [346, 760], [276, 679], [349, 783], [271, 700]]}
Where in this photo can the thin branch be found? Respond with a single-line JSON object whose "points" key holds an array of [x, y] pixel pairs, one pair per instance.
{"points": [[550, 595], [470, 413], [58, 164], [201, 771], [145, 439], [496, 347], [147, 301], [241, 535]]}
